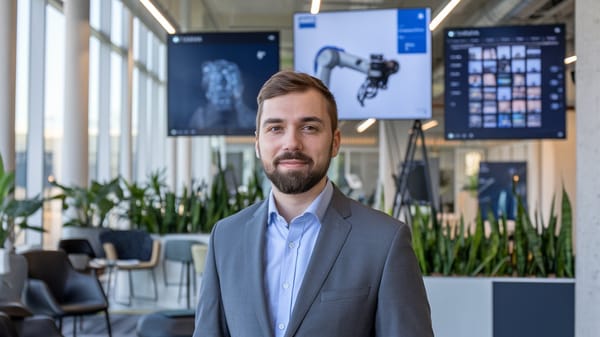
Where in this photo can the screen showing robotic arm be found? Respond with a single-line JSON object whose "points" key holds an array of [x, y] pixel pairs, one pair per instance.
{"points": [[376, 68]]}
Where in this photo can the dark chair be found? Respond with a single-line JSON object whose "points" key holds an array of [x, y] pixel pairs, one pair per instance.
{"points": [[15, 318], [34, 326], [56, 289], [180, 251], [81, 254], [91, 234], [7, 328], [131, 250]]}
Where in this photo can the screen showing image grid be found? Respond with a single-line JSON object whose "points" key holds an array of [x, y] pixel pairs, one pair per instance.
{"points": [[505, 82], [213, 80]]}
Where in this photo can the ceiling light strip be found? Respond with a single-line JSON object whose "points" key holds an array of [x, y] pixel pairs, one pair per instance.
{"points": [[570, 59], [429, 125], [315, 6], [158, 16], [443, 14], [363, 126]]}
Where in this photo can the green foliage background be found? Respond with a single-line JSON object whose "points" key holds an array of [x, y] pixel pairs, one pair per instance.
{"points": [[533, 248]]}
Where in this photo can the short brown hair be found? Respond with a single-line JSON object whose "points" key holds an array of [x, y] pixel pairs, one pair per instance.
{"points": [[285, 82]]}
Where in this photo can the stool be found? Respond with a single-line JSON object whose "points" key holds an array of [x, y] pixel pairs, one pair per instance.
{"points": [[168, 323]]}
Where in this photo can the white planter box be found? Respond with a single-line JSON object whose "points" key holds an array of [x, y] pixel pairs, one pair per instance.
{"points": [[499, 307]]}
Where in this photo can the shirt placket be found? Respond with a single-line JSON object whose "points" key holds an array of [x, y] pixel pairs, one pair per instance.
{"points": [[288, 276]]}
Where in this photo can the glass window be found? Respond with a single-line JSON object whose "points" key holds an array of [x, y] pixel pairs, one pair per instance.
{"points": [[116, 96], [54, 87], [94, 104], [53, 117], [22, 91], [136, 39], [95, 14], [149, 50], [162, 62], [135, 98], [116, 30]]}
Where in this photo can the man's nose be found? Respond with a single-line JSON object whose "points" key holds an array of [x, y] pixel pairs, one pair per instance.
{"points": [[292, 140]]}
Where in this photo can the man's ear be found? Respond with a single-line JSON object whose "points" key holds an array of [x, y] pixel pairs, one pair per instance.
{"points": [[256, 150], [337, 140]]}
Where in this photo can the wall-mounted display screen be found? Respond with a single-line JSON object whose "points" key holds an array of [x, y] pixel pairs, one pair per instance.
{"points": [[377, 63], [499, 184], [213, 80], [505, 82]]}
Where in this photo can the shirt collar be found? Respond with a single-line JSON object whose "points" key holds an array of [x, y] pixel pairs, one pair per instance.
{"points": [[317, 207]]}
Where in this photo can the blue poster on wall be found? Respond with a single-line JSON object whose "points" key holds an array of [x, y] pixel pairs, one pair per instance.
{"points": [[498, 187]]}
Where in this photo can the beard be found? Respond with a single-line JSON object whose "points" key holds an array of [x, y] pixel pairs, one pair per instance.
{"points": [[295, 181]]}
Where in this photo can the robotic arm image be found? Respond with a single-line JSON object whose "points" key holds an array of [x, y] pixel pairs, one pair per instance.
{"points": [[377, 69]]}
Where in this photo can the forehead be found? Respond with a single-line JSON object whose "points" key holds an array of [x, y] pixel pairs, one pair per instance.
{"points": [[296, 106]]}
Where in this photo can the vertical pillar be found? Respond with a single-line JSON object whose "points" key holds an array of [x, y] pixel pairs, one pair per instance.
{"points": [[35, 108], [125, 144], [183, 177], [75, 138], [8, 50], [184, 144], [587, 217], [103, 155], [393, 140]]}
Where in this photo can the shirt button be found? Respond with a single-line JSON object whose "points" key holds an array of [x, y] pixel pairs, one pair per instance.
{"points": [[292, 245], [281, 326], [286, 285]]}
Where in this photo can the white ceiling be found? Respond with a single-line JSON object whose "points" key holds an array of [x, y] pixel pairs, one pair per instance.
{"points": [[262, 15]]}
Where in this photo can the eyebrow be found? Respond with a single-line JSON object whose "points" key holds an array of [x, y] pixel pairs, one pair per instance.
{"points": [[303, 120]]}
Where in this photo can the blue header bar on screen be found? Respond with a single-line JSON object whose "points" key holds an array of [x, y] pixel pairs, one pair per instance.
{"points": [[412, 31]]}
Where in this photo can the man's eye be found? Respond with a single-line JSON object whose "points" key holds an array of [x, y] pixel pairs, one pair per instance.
{"points": [[274, 128], [310, 128]]}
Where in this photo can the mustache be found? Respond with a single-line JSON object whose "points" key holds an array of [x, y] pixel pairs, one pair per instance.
{"points": [[292, 156]]}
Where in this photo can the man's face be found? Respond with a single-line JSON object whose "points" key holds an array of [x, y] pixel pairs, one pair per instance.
{"points": [[295, 142]]}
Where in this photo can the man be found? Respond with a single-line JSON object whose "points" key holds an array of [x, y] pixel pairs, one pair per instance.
{"points": [[308, 261]]}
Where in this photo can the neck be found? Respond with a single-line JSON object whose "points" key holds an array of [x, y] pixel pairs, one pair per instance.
{"points": [[292, 205]]}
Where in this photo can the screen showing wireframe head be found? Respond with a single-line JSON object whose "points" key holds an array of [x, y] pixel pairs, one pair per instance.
{"points": [[213, 80], [377, 63]]}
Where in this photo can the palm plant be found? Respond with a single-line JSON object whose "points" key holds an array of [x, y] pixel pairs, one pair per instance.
{"points": [[14, 212], [89, 206]]}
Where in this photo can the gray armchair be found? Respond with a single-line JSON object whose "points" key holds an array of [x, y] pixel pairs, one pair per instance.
{"points": [[56, 289]]}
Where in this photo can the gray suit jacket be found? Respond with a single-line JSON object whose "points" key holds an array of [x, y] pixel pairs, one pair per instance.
{"points": [[362, 280]]}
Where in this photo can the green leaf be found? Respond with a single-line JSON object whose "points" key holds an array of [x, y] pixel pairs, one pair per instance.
{"points": [[474, 249], [565, 263], [534, 242]]}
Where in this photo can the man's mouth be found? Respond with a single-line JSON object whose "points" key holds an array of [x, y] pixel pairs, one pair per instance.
{"points": [[292, 163], [292, 160]]}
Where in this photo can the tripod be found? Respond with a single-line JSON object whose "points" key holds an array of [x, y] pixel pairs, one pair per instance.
{"points": [[403, 199]]}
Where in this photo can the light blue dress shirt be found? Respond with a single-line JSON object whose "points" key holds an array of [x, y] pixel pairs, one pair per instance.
{"points": [[287, 253]]}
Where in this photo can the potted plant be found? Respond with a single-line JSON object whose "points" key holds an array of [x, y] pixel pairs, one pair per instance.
{"points": [[89, 205], [13, 214], [87, 209], [500, 272], [156, 209]]}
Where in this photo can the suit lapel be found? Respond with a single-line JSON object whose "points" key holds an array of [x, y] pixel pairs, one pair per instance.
{"points": [[254, 249], [333, 234]]}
